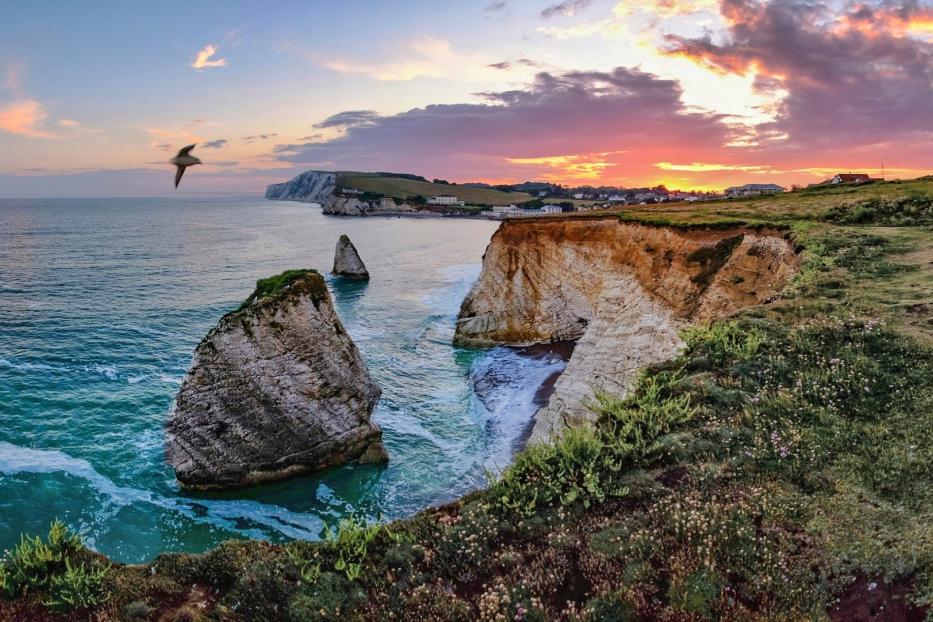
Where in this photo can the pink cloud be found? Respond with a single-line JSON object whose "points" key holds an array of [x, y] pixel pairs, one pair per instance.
{"points": [[616, 123], [24, 117]]}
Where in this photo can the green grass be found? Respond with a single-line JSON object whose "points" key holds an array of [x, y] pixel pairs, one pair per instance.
{"points": [[274, 285], [790, 208], [401, 188], [773, 470]]}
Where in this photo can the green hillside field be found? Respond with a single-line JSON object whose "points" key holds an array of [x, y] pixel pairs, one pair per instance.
{"points": [[402, 188]]}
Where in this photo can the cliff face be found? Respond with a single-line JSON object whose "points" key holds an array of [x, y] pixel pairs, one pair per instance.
{"points": [[351, 206], [623, 290], [309, 187], [277, 388]]}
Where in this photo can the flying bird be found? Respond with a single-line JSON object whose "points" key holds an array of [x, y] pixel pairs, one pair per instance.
{"points": [[183, 160]]}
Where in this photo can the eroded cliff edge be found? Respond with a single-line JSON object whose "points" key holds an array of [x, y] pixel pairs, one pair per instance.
{"points": [[623, 290], [276, 389]]}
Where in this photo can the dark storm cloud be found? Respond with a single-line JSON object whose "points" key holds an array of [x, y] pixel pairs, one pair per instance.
{"points": [[850, 77], [573, 113]]}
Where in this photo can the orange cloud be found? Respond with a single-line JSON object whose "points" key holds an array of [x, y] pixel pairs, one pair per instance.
{"points": [[203, 59], [583, 167], [873, 22], [25, 118], [702, 167]]}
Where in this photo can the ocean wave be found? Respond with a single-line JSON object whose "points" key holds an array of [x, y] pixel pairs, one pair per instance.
{"points": [[507, 384], [225, 514], [458, 279], [27, 366], [108, 371]]}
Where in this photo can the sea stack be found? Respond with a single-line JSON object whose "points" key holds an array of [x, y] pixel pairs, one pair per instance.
{"points": [[347, 262], [276, 389]]}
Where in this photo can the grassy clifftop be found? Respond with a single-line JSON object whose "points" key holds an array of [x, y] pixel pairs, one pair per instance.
{"points": [[779, 469], [403, 188], [789, 208]]}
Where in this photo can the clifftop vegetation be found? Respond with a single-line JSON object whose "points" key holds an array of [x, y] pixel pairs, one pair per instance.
{"points": [[274, 285], [779, 469], [404, 186]]}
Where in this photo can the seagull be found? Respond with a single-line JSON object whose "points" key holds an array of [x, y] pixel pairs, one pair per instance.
{"points": [[183, 160]]}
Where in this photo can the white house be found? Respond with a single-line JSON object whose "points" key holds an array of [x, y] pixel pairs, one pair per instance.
{"points": [[552, 209], [445, 199], [750, 190], [616, 198]]}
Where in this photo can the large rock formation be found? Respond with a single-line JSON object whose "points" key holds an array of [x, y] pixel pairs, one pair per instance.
{"points": [[624, 290], [354, 206], [276, 389], [309, 187], [347, 262], [321, 187]]}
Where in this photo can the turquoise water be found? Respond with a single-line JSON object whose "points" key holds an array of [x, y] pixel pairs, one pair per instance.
{"points": [[102, 302]]}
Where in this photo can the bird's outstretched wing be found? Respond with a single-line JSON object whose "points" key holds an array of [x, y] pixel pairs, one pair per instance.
{"points": [[178, 174], [185, 151]]}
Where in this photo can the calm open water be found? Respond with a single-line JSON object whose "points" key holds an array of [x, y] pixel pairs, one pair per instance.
{"points": [[102, 302]]}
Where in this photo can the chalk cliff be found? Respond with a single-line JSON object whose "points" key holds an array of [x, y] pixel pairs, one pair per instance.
{"points": [[309, 187], [352, 206], [623, 290], [276, 389]]}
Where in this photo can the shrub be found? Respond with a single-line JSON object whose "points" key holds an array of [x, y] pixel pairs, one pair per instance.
{"points": [[906, 211], [78, 587], [723, 342], [609, 608], [332, 597], [30, 566], [351, 540], [137, 610], [587, 466]]}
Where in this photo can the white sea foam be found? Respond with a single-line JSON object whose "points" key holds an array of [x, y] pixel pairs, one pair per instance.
{"points": [[226, 514], [506, 383], [108, 371], [27, 366]]}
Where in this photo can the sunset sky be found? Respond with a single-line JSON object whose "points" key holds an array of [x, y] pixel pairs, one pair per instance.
{"points": [[95, 97]]}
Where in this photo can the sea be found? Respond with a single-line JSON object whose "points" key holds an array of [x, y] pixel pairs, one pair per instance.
{"points": [[102, 302]]}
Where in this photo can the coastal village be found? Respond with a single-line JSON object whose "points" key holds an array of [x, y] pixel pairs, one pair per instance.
{"points": [[551, 198]]}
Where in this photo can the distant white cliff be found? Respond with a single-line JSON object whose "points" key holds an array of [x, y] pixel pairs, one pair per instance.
{"points": [[309, 187], [321, 187]]}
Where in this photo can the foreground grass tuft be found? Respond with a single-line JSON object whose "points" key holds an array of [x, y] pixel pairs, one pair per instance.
{"points": [[55, 570]]}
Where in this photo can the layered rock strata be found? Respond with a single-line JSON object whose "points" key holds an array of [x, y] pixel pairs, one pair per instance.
{"points": [[623, 290], [347, 262], [276, 388]]}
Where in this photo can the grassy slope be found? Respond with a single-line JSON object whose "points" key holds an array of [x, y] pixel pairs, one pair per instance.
{"points": [[400, 188], [779, 470]]}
